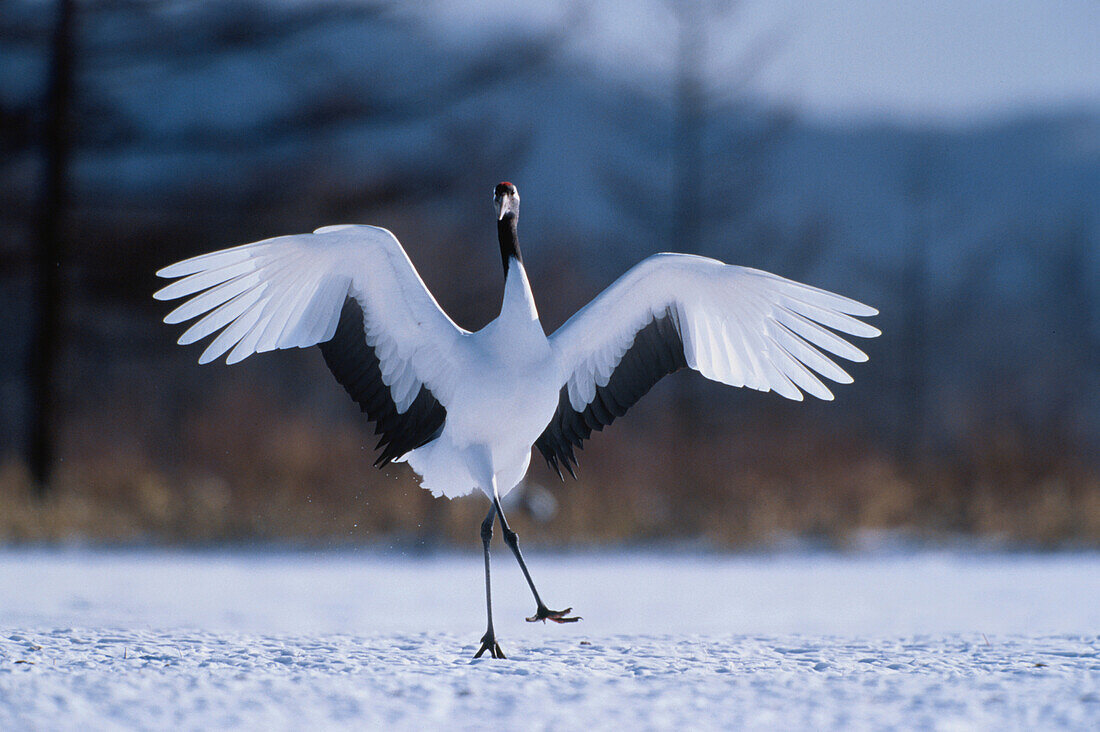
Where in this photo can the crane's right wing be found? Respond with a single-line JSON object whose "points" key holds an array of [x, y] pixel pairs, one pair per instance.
{"points": [[351, 289], [736, 325]]}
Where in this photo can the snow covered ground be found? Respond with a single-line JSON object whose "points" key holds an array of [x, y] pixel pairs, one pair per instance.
{"points": [[279, 640]]}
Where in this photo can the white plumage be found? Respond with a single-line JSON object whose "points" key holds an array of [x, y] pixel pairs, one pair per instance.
{"points": [[288, 291], [464, 409], [740, 326]]}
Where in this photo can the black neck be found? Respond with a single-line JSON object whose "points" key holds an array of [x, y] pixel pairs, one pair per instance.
{"points": [[509, 240]]}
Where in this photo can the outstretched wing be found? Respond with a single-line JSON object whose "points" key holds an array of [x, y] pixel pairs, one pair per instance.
{"points": [[351, 289], [736, 325]]}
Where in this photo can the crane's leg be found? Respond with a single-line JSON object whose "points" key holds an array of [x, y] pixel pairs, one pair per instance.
{"points": [[489, 640], [512, 540]]}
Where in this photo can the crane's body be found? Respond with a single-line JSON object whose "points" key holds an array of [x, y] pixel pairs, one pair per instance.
{"points": [[487, 438], [465, 409]]}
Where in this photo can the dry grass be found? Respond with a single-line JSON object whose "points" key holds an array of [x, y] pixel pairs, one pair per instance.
{"points": [[234, 468]]}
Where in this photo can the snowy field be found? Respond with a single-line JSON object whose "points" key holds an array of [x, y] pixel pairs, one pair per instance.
{"points": [[278, 640]]}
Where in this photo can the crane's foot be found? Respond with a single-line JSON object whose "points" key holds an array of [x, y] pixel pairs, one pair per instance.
{"points": [[489, 643], [558, 616]]}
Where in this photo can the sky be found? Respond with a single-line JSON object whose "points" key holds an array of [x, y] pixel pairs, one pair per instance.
{"points": [[948, 61]]}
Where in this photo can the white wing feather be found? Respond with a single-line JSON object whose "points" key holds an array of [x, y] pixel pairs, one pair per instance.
{"points": [[740, 326], [288, 292]]}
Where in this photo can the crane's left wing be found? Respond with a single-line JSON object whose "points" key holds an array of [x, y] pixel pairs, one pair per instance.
{"points": [[351, 289], [736, 325]]}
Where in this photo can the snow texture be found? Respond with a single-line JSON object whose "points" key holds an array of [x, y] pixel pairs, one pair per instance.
{"points": [[201, 640]]}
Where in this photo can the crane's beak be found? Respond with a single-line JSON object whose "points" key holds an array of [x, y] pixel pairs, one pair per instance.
{"points": [[507, 204]]}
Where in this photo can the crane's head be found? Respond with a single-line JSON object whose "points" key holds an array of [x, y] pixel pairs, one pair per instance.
{"points": [[506, 200]]}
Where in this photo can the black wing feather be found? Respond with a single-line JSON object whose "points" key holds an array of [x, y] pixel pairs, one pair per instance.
{"points": [[657, 350], [356, 366]]}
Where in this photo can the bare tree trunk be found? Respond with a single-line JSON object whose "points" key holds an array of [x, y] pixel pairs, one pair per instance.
{"points": [[46, 335], [913, 425], [690, 117], [686, 225]]}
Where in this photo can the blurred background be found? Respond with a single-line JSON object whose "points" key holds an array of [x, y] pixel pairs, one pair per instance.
{"points": [[939, 160]]}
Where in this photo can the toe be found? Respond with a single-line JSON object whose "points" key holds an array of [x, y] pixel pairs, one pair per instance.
{"points": [[492, 647], [563, 619], [558, 616]]}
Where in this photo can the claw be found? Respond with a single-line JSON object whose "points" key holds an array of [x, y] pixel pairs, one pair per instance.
{"points": [[558, 616], [489, 643]]}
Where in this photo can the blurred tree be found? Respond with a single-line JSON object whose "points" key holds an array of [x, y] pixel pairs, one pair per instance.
{"points": [[689, 125], [278, 153], [718, 150], [718, 153], [1067, 367], [50, 257], [929, 307], [914, 299]]}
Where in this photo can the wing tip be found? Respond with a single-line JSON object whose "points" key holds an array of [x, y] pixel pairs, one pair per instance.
{"points": [[163, 293], [860, 310], [174, 317], [208, 356]]}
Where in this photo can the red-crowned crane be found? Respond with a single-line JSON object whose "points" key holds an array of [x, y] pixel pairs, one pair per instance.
{"points": [[464, 409]]}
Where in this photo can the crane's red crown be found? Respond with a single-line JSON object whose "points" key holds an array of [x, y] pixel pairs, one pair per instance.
{"points": [[504, 188]]}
